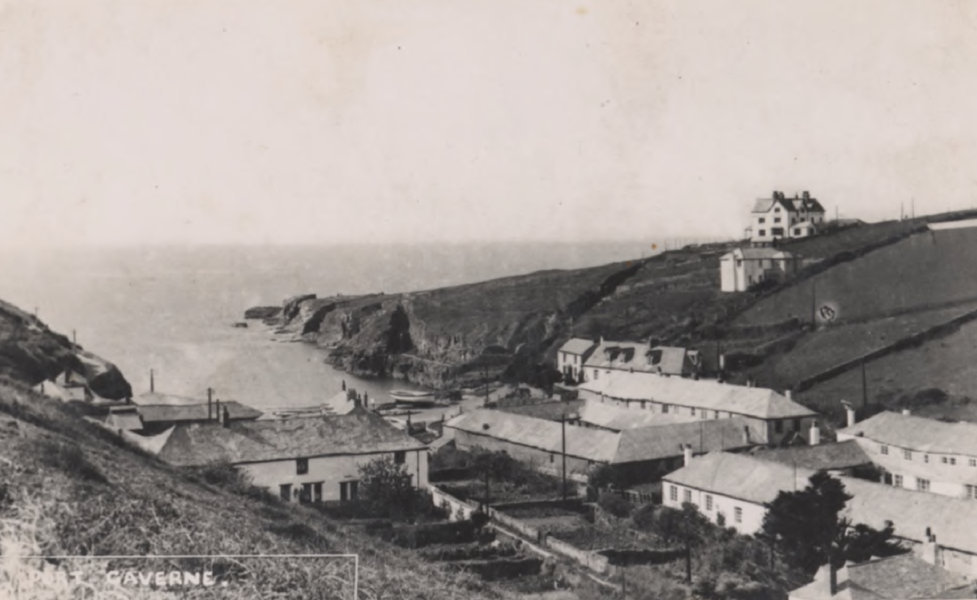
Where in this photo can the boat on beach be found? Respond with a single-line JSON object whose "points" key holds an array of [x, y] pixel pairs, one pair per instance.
{"points": [[413, 397]]}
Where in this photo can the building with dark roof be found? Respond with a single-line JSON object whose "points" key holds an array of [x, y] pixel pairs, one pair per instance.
{"points": [[841, 457], [639, 357], [779, 217], [309, 459], [151, 419]]}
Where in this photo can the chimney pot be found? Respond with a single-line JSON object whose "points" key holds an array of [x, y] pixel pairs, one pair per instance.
{"points": [[686, 454], [906, 411], [788, 394], [815, 434]]}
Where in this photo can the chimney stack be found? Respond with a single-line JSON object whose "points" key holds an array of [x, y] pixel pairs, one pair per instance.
{"points": [[210, 402], [152, 381], [815, 435], [787, 393], [849, 414], [906, 412], [225, 417], [217, 405], [686, 454]]}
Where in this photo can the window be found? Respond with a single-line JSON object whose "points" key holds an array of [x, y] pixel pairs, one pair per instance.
{"points": [[797, 231], [907, 454], [761, 220], [776, 219], [673, 493], [595, 374], [348, 490], [922, 485], [692, 410], [884, 449], [738, 514], [687, 496], [777, 231], [762, 233], [285, 491], [953, 460], [926, 458], [301, 466], [311, 492], [778, 426], [664, 408], [552, 457], [716, 416], [972, 462], [793, 221], [971, 491], [642, 404], [400, 457], [897, 480], [708, 502]]}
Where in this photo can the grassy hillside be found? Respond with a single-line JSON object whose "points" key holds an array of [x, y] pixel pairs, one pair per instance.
{"points": [[69, 488]]}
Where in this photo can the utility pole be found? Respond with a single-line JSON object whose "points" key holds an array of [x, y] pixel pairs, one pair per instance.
{"points": [[864, 387], [563, 429], [152, 381]]}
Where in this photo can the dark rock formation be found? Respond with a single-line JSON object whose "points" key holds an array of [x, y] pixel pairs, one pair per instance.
{"points": [[262, 312]]}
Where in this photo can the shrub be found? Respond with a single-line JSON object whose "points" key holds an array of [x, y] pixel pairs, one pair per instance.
{"points": [[615, 505]]}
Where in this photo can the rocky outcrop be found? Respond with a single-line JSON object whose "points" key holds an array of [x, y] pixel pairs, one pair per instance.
{"points": [[31, 353], [262, 312], [454, 336]]}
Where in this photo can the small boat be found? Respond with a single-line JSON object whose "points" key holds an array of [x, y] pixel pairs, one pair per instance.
{"points": [[414, 397]]}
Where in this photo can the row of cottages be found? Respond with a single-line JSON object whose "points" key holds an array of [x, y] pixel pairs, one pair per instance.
{"points": [[639, 454], [303, 459], [734, 489], [581, 359], [904, 576], [918, 453], [744, 268], [770, 418], [780, 217]]}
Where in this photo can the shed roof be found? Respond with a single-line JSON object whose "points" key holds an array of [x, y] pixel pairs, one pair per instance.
{"points": [[577, 346], [358, 432], [917, 433], [599, 445], [904, 576], [616, 418], [174, 413], [822, 457], [707, 394]]}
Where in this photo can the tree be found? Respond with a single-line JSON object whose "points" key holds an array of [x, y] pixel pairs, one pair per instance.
{"points": [[489, 465], [387, 489]]}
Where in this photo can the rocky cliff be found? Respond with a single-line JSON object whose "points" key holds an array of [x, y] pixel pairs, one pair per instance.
{"points": [[30, 352]]}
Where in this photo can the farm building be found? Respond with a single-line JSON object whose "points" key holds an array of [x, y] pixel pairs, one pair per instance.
{"points": [[150, 419], [641, 454], [305, 459], [772, 418], [918, 453], [737, 486], [743, 268]]}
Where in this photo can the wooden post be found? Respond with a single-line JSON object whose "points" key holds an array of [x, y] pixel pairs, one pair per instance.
{"points": [[864, 387], [152, 381], [563, 429]]}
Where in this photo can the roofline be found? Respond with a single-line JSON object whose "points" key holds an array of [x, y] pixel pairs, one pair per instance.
{"points": [[322, 455], [742, 414], [535, 447]]}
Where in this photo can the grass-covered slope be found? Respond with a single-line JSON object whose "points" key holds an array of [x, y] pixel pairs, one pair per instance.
{"points": [[69, 488]]}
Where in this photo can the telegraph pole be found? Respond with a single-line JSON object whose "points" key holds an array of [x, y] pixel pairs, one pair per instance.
{"points": [[563, 430], [864, 387]]}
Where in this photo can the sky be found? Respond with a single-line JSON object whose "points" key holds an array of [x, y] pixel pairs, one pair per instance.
{"points": [[316, 121]]}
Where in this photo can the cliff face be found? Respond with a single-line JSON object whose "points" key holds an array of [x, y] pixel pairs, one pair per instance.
{"points": [[458, 335], [31, 353]]}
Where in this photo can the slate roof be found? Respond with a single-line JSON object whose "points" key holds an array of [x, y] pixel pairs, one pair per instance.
{"points": [[740, 476], [917, 433], [822, 457], [763, 253], [638, 356], [358, 432], [808, 204], [903, 576], [952, 520], [174, 413], [708, 394], [762, 205], [577, 346], [618, 419], [600, 445]]}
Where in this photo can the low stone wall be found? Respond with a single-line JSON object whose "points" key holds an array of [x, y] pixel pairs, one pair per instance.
{"points": [[597, 563], [514, 524], [457, 510]]}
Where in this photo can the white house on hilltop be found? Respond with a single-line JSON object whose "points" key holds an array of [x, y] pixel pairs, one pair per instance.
{"points": [[745, 267], [780, 217], [572, 355]]}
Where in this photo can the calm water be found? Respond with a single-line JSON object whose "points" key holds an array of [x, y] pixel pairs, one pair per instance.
{"points": [[171, 308]]}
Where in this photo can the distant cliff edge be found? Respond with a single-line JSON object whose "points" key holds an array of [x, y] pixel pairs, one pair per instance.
{"points": [[31, 353]]}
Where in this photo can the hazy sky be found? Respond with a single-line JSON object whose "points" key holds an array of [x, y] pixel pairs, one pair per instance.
{"points": [[317, 121]]}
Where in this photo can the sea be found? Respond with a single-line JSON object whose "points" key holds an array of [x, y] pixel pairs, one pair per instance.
{"points": [[171, 309]]}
